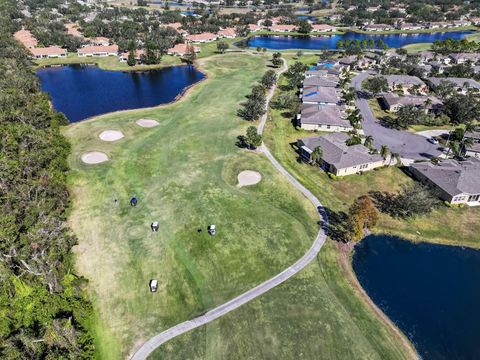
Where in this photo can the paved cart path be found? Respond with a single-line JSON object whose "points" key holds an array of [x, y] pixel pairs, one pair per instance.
{"points": [[153, 343]]}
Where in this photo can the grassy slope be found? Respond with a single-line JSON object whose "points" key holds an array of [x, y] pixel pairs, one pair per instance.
{"points": [[107, 62], [184, 173]]}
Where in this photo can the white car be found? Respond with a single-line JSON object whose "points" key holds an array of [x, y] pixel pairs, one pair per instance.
{"points": [[153, 285], [432, 140]]}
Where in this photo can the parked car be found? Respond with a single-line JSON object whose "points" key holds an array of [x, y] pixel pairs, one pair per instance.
{"points": [[433, 141]]}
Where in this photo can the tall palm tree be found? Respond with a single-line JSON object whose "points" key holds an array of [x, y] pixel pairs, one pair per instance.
{"points": [[316, 155], [368, 141]]}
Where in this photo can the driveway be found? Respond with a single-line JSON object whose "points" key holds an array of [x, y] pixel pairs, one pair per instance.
{"points": [[408, 145]]}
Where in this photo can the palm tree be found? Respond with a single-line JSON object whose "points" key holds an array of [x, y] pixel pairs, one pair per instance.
{"points": [[384, 152], [316, 155], [368, 141]]}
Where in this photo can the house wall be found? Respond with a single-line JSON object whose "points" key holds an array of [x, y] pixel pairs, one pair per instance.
{"points": [[355, 169], [323, 127]]}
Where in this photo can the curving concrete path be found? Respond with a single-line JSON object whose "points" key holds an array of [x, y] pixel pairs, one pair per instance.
{"points": [[153, 343]]}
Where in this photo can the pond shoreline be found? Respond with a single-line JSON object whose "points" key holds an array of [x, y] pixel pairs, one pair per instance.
{"points": [[345, 255]]}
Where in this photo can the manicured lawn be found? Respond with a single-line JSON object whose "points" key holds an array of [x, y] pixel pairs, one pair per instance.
{"points": [[184, 175], [315, 315], [414, 48], [107, 62]]}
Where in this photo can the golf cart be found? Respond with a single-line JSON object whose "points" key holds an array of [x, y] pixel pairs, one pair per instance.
{"points": [[154, 226], [153, 285], [212, 230]]}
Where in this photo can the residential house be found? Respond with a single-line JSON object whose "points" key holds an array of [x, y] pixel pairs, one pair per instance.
{"points": [[460, 23], [338, 158], [457, 182], [26, 38], [474, 149], [123, 57], [72, 29], [409, 26], [405, 83], [347, 62], [228, 33], [88, 51], [438, 24], [323, 118], [322, 81], [99, 41], [321, 95], [254, 27], [202, 38], [438, 66], [49, 52], [461, 84], [323, 28], [181, 49], [283, 28], [393, 102], [461, 58], [377, 27]]}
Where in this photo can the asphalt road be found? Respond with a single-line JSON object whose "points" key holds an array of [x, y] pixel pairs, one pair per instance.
{"points": [[407, 144], [153, 343]]}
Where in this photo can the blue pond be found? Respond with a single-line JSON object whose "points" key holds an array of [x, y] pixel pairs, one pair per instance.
{"points": [[329, 42], [83, 91], [430, 291]]}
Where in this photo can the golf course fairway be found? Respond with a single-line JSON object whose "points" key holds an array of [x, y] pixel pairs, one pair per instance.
{"points": [[184, 174]]}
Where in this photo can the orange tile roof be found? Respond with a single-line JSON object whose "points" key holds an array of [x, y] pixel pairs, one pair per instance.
{"points": [[283, 28], [51, 50], [26, 38], [181, 49], [202, 37], [227, 32], [72, 29], [98, 49]]}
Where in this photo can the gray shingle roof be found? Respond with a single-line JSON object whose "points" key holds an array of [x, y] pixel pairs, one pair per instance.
{"points": [[317, 94], [325, 81], [337, 153], [453, 177], [460, 82], [404, 80], [394, 99], [323, 115]]}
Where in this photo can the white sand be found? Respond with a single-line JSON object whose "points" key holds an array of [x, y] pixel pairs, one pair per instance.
{"points": [[147, 123], [94, 157], [249, 177], [111, 135]]}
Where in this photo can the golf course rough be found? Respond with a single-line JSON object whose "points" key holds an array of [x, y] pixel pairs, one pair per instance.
{"points": [[184, 174]]}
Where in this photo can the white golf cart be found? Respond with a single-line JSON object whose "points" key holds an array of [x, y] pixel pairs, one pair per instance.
{"points": [[212, 230], [153, 285]]}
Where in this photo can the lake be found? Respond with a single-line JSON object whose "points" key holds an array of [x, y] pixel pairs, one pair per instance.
{"points": [[329, 42], [432, 293], [81, 91]]}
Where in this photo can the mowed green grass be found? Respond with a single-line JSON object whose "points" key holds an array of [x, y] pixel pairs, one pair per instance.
{"points": [[184, 174], [314, 315]]}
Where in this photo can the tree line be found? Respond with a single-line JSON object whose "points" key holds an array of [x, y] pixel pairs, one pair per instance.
{"points": [[44, 311]]}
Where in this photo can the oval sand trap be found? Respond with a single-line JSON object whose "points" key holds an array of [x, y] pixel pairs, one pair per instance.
{"points": [[249, 177], [111, 135], [94, 157], [147, 123]]}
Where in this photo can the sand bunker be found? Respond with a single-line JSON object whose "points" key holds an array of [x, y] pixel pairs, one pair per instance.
{"points": [[94, 157], [147, 123], [111, 135], [249, 177]]}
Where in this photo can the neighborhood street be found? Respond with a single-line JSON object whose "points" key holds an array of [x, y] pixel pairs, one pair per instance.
{"points": [[408, 145], [153, 343]]}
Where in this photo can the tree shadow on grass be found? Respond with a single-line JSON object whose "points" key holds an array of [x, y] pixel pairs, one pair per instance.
{"points": [[338, 225]]}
